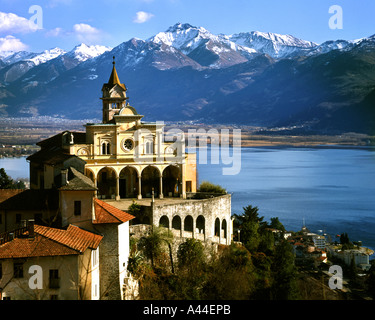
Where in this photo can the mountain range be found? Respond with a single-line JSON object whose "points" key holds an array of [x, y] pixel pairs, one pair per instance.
{"points": [[189, 74]]}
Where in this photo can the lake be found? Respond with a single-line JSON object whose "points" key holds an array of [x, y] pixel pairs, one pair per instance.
{"points": [[329, 189]]}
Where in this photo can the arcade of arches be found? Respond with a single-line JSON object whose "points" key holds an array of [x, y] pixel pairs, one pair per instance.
{"points": [[137, 182]]}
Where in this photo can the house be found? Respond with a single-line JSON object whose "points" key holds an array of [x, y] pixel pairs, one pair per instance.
{"points": [[67, 260]]}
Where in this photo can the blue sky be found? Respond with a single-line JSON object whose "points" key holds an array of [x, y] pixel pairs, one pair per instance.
{"points": [[66, 23]]}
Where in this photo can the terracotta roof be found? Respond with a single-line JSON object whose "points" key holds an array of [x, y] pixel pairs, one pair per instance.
{"points": [[51, 242], [30, 199], [5, 194], [105, 213]]}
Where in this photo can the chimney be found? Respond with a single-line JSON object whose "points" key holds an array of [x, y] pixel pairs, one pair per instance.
{"points": [[64, 177], [30, 226]]}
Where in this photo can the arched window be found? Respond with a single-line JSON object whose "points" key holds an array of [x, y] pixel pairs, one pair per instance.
{"points": [[176, 223], [106, 148], [149, 147], [201, 224], [224, 228], [164, 222], [188, 224], [217, 227]]}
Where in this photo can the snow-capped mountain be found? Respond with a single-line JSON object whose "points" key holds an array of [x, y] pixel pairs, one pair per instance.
{"points": [[84, 52], [36, 58], [188, 73], [275, 45], [203, 46]]}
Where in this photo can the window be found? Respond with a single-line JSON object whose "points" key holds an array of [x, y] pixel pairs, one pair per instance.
{"points": [[106, 148], [95, 258], [77, 208], [6, 298], [188, 186], [54, 281], [149, 147], [18, 270], [53, 297]]}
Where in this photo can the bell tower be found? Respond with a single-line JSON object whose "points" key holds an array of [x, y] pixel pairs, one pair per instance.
{"points": [[114, 96]]}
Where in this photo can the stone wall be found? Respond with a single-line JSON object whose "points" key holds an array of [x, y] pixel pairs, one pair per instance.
{"points": [[205, 219]]}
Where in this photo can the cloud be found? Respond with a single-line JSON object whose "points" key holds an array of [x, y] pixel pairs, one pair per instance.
{"points": [[10, 23], [86, 33], [57, 32], [142, 17], [81, 31], [10, 43]]}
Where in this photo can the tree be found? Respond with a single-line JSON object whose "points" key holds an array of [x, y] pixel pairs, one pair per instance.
{"points": [[5, 181], [284, 285], [249, 224], [152, 245], [230, 275], [276, 224], [190, 253]]}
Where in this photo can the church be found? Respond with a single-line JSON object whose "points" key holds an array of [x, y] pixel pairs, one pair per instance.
{"points": [[124, 156]]}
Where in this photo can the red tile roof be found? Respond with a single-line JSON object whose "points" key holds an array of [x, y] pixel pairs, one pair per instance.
{"points": [[105, 213], [51, 242]]}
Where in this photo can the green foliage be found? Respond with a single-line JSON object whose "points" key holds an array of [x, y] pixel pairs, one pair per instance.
{"points": [[276, 224], [190, 253], [134, 209], [209, 187], [249, 224], [284, 271], [6, 182], [255, 270]]}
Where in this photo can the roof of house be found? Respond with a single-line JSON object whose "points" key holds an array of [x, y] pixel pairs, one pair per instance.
{"points": [[105, 213], [51, 156], [78, 182], [29, 199], [51, 242]]}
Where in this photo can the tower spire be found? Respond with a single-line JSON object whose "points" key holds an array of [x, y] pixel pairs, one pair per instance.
{"points": [[114, 79]]}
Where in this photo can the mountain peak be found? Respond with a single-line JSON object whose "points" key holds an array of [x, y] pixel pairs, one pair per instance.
{"points": [[180, 27], [82, 52]]}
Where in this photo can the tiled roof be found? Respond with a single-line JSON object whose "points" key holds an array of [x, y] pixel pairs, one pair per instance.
{"points": [[51, 242], [78, 181], [30, 199], [5, 194], [105, 213]]}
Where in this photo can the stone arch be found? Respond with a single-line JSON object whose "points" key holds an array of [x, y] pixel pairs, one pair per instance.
{"points": [[217, 227], [188, 223], [201, 224], [164, 222], [106, 181], [172, 181], [128, 182], [90, 174], [176, 223], [150, 181], [224, 228]]}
